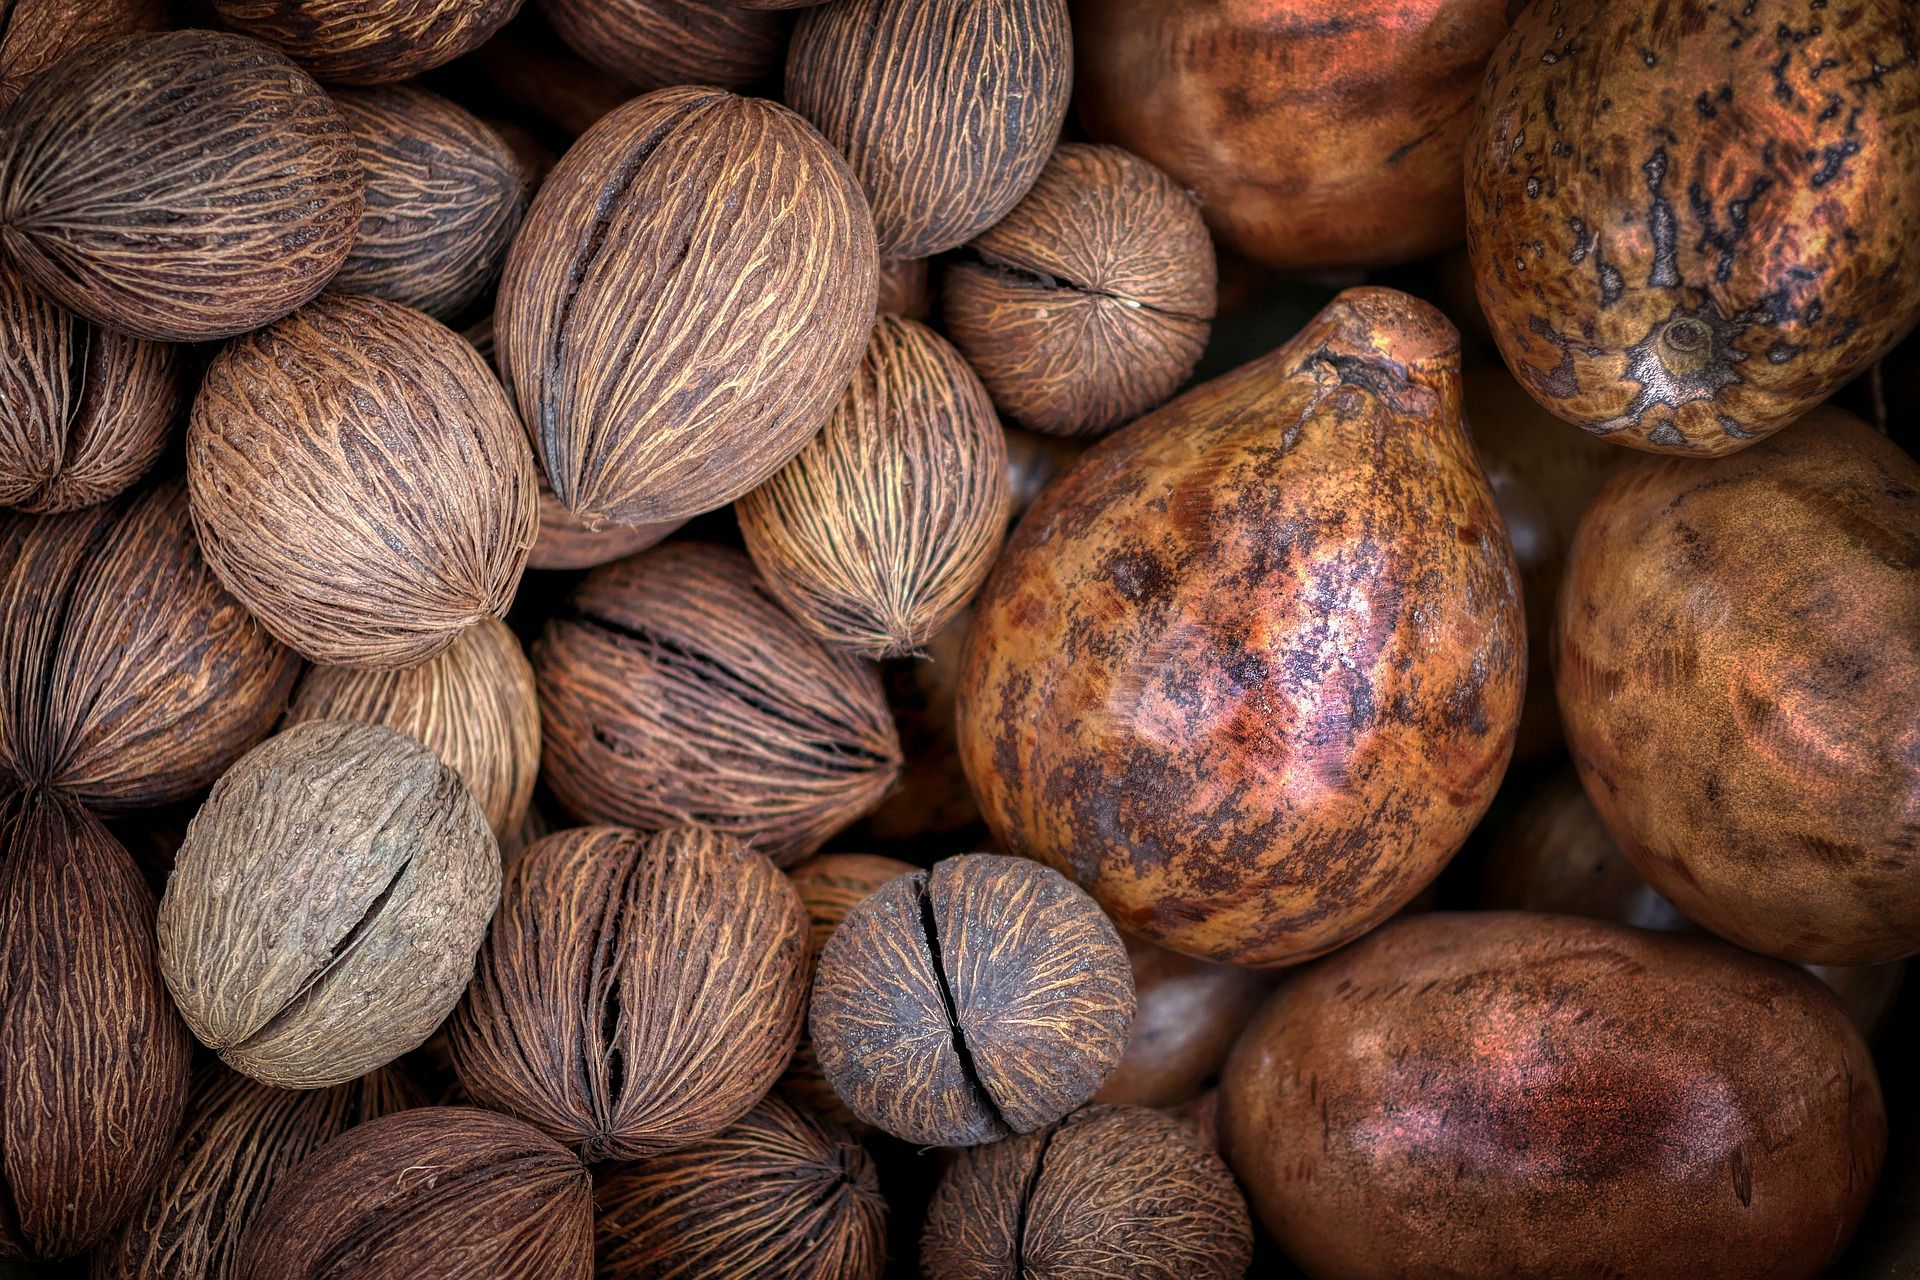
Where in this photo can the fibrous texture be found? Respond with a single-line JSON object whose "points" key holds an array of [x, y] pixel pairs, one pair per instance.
{"points": [[881, 529], [986, 997], [360, 482], [1686, 232], [674, 691], [685, 303], [323, 914], [1089, 303], [637, 993], [35, 34], [177, 187], [369, 41], [946, 109], [659, 43]]}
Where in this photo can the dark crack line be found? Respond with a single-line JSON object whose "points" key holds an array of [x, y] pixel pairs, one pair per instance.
{"points": [[1038, 279], [1026, 1203], [930, 926]]}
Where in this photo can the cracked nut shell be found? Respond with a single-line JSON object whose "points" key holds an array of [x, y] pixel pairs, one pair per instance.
{"points": [[369, 41], [655, 44]]}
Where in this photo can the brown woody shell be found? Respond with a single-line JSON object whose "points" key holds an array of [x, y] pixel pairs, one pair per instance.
{"points": [[1532, 1096], [128, 678], [1108, 1191], [636, 993], [96, 1060], [473, 706], [778, 1194], [35, 34], [1188, 1015], [1693, 232], [946, 109], [444, 197], [659, 43], [906, 287], [1089, 303], [1739, 672], [685, 304], [883, 526], [675, 691], [932, 797], [368, 41], [1250, 671], [360, 482], [177, 187], [323, 914], [434, 1193], [985, 997], [240, 1138]]}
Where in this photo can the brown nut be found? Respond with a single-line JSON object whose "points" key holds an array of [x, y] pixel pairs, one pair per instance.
{"points": [[906, 288], [368, 41], [35, 34], [1188, 1016], [566, 542], [659, 43]]}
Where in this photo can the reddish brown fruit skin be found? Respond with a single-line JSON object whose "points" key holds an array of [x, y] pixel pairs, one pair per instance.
{"points": [[369, 41], [656, 44], [1250, 671], [1739, 673], [1600, 1100], [1314, 138], [1189, 1014], [35, 34], [1688, 230]]}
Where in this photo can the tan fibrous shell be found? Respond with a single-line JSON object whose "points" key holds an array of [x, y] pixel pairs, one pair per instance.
{"points": [[444, 197], [659, 43], [96, 1058], [239, 1139], [920, 98], [177, 187], [434, 1193], [473, 706], [35, 34], [128, 677], [685, 303], [323, 914], [368, 41], [360, 482], [636, 993], [1091, 301], [781, 1193], [675, 691], [881, 529]]}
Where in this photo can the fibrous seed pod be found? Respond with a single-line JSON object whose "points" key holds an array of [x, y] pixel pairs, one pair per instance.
{"points": [[35, 34], [659, 43], [369, 41]]}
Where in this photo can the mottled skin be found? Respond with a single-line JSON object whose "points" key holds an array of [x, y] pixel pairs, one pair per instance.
{"points": [[1250, 671], [1739, 672], [1693, 220], [1530, 1096]]}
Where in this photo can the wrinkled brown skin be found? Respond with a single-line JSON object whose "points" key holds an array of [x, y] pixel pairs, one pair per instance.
{"points": [[1188, 1016], [1539, 1096], [35, 34], [1690, 224], [1316, 137], [1250, 671], [1739, 673], [656, 44], [369, 41]]}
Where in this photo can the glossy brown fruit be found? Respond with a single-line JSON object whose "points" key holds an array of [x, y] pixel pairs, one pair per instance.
{"points": [[1739, 673], [674, 690], [983, 998], [1535, 1096], [947, 109], [1108, 1191], [1250, 671], [35, 34], [685, 304], [1316, 138], [779, 1194], [659, 43], [435, 1193], [177, 187], [1189, 1014], [1089, 303], [368, 41], [1688, 230]]}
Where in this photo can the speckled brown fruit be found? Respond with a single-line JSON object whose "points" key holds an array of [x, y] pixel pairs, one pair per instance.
{"points": [[1089, 303], [636, 993], [360, 482], [177, 187], [368, 41], [239, 1139], [985, 997], [1689, 230], [658, 43], [1190, 1012], [675, 691], [883, 526], [473, 706], [435, 1193], [1109, 1191], [323, 914], [932, 797], [1316, 138], [35, 34], [781, 1194], [95, 1074], [947, 109], [1538, 1096], [685, 304], [1739, 673], [906, 287], [1250, 671], [128, 678]]}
